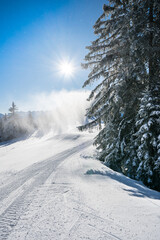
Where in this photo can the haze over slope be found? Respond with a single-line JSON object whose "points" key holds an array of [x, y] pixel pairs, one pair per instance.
{"points": [[57, 112]]}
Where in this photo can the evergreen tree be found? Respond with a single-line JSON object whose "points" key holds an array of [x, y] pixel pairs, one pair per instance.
{"points": [[148, 117], [124, 59], [113, 61], [105, 58], [13, 109], [147, 140]]}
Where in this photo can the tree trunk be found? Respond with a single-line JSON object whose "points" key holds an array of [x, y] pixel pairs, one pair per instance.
{"points": [[151, 71]]}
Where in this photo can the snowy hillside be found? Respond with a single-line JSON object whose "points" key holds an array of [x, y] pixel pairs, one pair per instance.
{"points": [[52, 187]]}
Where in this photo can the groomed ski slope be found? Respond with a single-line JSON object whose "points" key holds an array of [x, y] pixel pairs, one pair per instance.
{"points": [[52, 188]]}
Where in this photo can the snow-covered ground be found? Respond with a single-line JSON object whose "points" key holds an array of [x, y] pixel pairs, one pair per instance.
{"points": [[52, 188]]}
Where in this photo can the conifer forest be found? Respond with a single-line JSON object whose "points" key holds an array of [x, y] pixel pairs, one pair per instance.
{"points": [[124, 64]]}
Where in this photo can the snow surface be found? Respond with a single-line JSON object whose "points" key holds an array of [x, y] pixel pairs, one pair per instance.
{"points": [[52, 187]]}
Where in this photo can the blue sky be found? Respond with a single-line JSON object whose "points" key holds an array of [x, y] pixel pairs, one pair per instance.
{"points": [[35, 36]]}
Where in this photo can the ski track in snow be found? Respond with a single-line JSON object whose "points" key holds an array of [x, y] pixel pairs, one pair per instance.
{"points": [[13, 196], [54, 200]]}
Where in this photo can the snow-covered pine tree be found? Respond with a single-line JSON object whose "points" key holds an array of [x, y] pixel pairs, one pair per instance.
{"points": [[125, 59], [147, 140], [148, 117], [115, 98], [105, 59]]}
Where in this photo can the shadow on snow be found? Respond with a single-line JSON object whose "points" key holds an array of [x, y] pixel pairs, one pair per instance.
{"points": [[138, 189]]}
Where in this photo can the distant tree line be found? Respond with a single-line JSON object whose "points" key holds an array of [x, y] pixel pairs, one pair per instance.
{"points": [[18, 124], [12, 125], [125, 62]]}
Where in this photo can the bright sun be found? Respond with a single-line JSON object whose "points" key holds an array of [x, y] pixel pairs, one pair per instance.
{"points": [[66, 68]]}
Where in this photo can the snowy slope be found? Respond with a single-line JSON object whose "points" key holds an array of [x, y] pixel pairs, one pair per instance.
{"points": [[53, 188]]}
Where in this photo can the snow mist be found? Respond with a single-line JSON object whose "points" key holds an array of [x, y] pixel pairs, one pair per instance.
{"points": [[57, 111]]}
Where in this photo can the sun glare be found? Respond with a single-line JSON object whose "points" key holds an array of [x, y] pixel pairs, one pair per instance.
{"points": [[66, 69]]}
